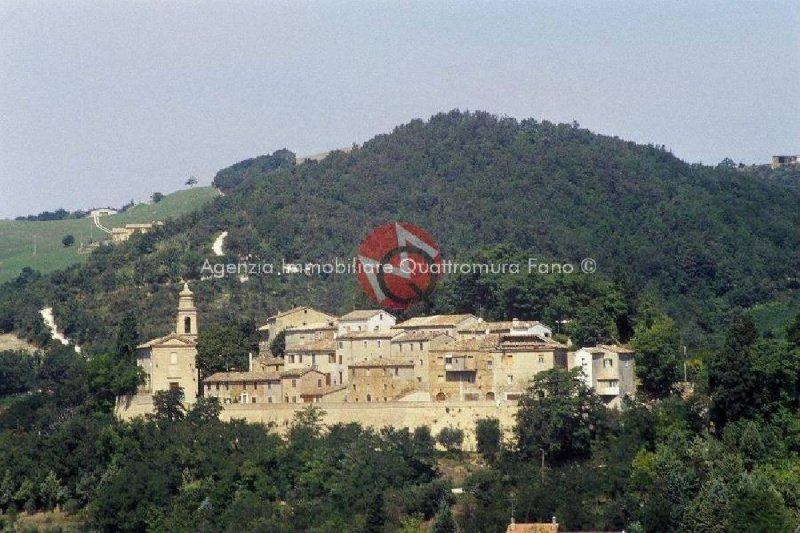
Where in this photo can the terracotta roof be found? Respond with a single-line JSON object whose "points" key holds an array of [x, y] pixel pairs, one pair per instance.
{"points": [[419, 336], [486, 343], [384, 334], [292, 311], [243, 376], [528, 342], [363, 314], [382, 362], [614, 348], [434, 320], [495, 327], [321, 345], [173, 339], [297, 372], [267, 361], [324, 391]]}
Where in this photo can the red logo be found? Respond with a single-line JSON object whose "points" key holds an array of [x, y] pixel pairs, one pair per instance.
{"points": [[399, 265]]}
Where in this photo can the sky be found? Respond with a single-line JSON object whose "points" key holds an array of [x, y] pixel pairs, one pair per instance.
{"points": [[104, 102]]}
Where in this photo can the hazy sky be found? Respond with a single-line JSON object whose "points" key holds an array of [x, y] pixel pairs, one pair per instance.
{"points": [[103, 102]]}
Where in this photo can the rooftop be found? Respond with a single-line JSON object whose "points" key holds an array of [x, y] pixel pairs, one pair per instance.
{"points": [[434, 320], [242, 376], [500, 326], [321, 345], [419, 336], [382, 363], [362, 314]]}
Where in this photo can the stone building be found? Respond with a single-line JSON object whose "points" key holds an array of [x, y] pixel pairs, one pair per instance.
{"points": [[608, 369], [779, 161], [491, 367], [122, 234], [306, 385], [365, 320], [299, 316], [447, 324], [170, 362], [244, 387], [510, 327], [382, 380], [415, 346]]}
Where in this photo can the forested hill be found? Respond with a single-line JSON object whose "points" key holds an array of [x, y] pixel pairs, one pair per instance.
{"points": [[696, 241]]}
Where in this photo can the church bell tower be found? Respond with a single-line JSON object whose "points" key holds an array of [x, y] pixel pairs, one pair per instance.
{"points": [[187, 314]]}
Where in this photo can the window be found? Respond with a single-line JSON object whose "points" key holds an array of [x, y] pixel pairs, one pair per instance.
{"points": [[340, 378], [448, 360], [385, 386], [294, 383], [608, 363], [294, 399], [510, 379], [173, 358], [379, 343], [255, 386], [420, 346], [369, 397], [396, 371], [244, 386], [541, 359], [332, 359], [341, 344], [300, 357], [269, 400], [340, 359], [208, 386], [489, 364], [365, 344], [319, 383], [254, 399], [187, 325]]}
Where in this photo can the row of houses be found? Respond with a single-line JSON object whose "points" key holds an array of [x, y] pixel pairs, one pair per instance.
{"points": [[367, 356]]}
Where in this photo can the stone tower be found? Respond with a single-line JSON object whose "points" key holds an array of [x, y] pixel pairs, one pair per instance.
{"points": [[186, 325]]}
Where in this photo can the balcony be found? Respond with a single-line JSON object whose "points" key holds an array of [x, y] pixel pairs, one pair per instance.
{"points": [[459, 364], [608, 391]]}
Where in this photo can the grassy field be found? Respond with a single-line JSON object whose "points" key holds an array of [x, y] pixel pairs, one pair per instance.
{"points": [[19, 239]]}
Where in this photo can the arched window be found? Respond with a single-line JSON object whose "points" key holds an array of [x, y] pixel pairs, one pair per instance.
{"points": [[441, 397], [187, 325], [490, 396]]}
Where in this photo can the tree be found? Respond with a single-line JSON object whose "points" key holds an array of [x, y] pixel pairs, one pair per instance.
{"points": [[451, 439], [157, 197], [558, 416], [731, 381], [793, 332], [68, 240], [222, 348], [444, 522], [489, 437], [657, 348], [191, 182], [51, 491], [127, 338], [278, 344], [169, 404]]}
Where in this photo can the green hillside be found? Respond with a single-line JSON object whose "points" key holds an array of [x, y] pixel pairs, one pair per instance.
{"points": [[19, 239], [693, 241]]}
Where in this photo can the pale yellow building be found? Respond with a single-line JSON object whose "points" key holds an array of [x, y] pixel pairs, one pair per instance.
{"points": [[608, 369], [122, 234], [170, 362], [415, 346]]}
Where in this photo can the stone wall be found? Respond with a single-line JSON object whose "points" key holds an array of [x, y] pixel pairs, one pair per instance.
{"points": [[435, 415]]}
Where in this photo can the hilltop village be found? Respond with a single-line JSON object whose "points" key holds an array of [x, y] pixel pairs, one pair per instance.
{"points": [[367, 357]]}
